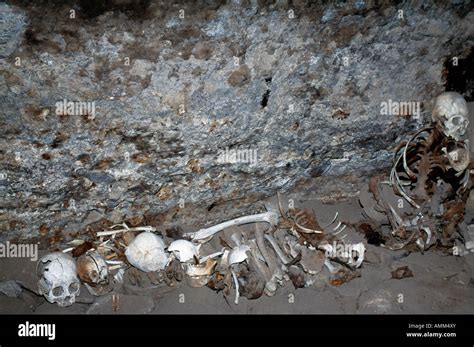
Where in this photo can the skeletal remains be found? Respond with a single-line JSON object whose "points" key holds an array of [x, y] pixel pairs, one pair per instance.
{"points": [[58, 281], [252, 263], [429, 181], [430, 176], [92, 268]]}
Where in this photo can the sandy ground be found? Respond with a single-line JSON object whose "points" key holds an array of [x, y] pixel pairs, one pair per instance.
{"points": [[440, 284]]}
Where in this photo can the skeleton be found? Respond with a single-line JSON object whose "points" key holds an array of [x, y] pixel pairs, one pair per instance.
{"points": [[58, 281], [92, 268], [431, 172], [147, 252]]}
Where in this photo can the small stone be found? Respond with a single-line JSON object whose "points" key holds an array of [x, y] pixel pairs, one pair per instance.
{"points": [[92, 217], [469, 238], [402, 272], [10, 288]]}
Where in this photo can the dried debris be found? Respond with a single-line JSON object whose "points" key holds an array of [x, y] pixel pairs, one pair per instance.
{"points": [[402, 272]]}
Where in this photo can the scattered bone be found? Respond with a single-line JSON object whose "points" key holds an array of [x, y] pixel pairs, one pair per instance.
{"points": [[238, 254], [199, 274], [277, 249], [360, 250], [272, 284], [312, 261], [236, 283], [332, 221], [184, 250], [125, 229], [332, 268], [351, 260], [260, 265], [118, 277], [269, 217], [210, 256]]}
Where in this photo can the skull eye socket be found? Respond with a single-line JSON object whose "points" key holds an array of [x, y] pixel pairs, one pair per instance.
{"points": [[57, 291], [94, 275], [73, 287], [456, 121]]}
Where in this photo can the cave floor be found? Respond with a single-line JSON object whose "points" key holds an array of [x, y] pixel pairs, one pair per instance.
{"points": [[441, 284]]}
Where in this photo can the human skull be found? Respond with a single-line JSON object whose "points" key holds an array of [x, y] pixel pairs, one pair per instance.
{"points": [[451, 114], [147, 252], [58, 281], [92, 268]]}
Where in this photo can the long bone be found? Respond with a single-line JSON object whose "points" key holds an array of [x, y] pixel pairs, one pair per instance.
{"points": [[270, 217], [125, 228], [285, 260], [276, 274], [255, 258]]}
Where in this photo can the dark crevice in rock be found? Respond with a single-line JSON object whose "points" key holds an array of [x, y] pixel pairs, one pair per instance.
{"points": [[265, 97], [459, 74]]}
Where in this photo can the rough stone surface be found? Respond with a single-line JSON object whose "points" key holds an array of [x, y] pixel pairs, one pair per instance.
{"points": [[171, 94], [12, 26]]}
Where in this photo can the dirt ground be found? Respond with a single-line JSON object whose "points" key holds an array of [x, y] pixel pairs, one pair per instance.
{"points": [[440, 283]]}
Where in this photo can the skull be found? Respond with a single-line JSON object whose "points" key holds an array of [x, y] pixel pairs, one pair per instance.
{"points": [[58, 281], [147, 252], [92, 268], [451, 114]]}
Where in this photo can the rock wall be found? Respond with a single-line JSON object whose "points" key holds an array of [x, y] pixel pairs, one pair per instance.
{"points": [[201, 103]]}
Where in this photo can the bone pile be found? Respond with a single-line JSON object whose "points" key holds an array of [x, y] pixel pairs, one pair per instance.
{"points": [[421, 203], [281, 246]]}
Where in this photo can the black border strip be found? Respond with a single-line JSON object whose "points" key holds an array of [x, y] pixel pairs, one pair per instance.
{"points": [[381, 328]]}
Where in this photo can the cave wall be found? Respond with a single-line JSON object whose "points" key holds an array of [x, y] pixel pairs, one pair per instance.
{"points": [[296, 88]]}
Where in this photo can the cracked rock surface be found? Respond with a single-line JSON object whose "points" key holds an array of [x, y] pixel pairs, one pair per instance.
{"points": [[172, 94]]}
